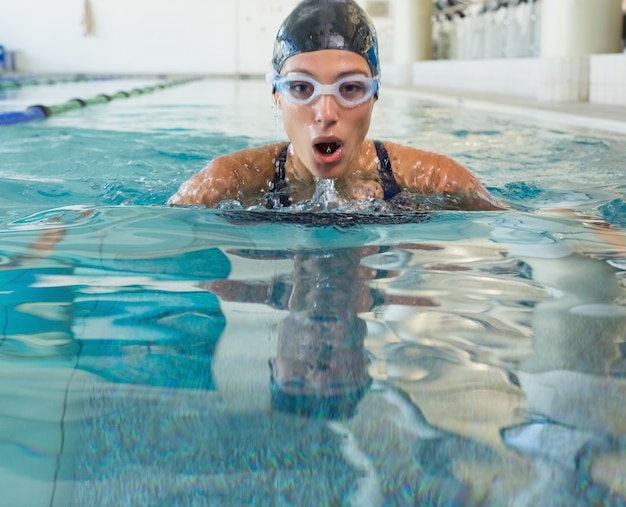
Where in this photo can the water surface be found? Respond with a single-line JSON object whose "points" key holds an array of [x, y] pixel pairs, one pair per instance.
{"points": [[182, 356]]}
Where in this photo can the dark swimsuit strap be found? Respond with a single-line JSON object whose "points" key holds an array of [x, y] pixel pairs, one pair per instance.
{"points": [[387, 179], [279, 196], [279, 164]]}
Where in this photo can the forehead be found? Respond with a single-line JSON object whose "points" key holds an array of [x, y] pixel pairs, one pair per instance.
{"points": [[327, 64]]}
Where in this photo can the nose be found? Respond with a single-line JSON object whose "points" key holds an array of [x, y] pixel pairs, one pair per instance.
{"points": [[326, 110]]}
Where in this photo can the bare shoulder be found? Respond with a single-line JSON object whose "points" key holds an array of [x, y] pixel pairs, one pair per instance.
{"points": [[426, 170], [236, 175], [429, 173]]}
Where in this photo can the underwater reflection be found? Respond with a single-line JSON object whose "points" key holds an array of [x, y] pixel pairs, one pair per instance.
{"points": [[441, 373], [320, 368]]}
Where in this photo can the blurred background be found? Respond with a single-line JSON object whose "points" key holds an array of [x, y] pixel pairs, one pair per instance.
{"points": [[552, 50]]}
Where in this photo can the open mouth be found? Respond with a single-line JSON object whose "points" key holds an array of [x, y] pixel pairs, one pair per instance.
{"points": [[327, 148]]}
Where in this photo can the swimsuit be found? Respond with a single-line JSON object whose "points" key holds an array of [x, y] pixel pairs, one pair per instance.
{"points": [[279, 192]]}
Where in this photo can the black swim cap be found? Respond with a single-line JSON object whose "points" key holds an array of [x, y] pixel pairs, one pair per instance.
{"points": [[326, 24]]}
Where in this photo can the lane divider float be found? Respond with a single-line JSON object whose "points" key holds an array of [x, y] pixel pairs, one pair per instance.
{"points": [[12, 83], [40, 112]]}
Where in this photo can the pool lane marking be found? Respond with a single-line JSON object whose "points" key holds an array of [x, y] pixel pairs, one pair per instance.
{"points": [[40, 112], [13, 83]]}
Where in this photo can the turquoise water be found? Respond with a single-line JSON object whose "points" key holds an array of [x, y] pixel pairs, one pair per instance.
{"points": [[148, 354]]}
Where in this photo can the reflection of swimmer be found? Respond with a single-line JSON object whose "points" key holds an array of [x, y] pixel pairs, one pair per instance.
{"points": [[326, 82], [320, 368]]}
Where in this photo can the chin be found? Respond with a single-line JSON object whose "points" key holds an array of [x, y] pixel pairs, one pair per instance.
{"points": [[328, 173]]}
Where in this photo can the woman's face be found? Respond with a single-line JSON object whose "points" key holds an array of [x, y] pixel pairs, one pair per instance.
{"points": [[326, 136]]}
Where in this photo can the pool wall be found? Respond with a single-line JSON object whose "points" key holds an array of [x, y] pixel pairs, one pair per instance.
{"points": [[213, 38], [597, 79], [209, 37]]}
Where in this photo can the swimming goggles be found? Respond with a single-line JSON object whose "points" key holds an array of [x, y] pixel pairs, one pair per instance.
{"points": [[350, 91]]}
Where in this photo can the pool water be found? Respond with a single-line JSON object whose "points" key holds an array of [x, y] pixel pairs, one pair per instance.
{"points": [[151, 355]]}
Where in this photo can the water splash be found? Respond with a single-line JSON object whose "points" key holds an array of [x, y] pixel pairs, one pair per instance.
{"points": [[326, 196]]}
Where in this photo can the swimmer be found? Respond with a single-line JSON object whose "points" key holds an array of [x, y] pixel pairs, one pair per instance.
{"points": [[326, 82]]}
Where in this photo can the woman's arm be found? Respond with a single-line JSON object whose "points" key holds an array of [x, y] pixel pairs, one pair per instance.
{"points": [[238, 175], [431, 173]]}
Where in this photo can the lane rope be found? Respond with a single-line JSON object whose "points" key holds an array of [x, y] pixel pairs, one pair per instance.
{"points": [[40, 112], [11, 83]]}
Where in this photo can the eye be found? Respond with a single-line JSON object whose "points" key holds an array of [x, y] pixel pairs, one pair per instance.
{"points": [[353, 90], [301, 89]]}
